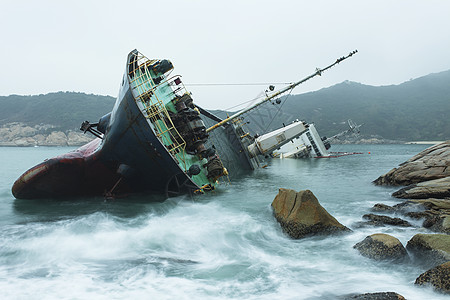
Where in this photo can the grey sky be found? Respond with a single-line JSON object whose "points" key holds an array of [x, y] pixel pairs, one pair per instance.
{"points": [[81, 46]]}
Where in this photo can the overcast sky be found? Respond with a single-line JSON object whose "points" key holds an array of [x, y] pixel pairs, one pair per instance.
{"points": [[50, 46]]}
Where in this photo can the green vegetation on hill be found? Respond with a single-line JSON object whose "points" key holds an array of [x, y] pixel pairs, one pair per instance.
{"points": [[65, 110], [415, 110]]}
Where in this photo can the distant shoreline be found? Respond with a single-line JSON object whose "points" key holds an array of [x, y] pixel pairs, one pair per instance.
{"points": [[424, 142]]}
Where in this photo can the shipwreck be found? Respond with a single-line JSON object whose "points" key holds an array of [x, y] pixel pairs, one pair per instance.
{"points": [[155, 141]]}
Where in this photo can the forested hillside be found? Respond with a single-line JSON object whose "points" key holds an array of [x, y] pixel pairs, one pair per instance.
{"points": [[64, 110]]}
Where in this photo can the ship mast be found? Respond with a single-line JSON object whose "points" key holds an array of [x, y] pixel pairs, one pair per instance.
{"points": [[283, 90]]}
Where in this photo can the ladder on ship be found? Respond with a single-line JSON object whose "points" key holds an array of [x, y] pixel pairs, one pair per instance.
{"points": [[155, 110]]}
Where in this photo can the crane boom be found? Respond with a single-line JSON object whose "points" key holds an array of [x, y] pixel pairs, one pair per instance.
{"points": [[283, 90]]}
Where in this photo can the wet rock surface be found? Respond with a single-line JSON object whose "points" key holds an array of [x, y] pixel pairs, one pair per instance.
{"points": [[301, 215], [381, 220], [437, 188], [432, 163], [380, 207], [427, 176], [427, 193], [435, 213], [375, 296], [430, 249], [438, 277], [381, 246]]}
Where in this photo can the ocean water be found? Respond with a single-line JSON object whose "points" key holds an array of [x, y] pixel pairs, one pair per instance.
{"points": [[223, 245]]}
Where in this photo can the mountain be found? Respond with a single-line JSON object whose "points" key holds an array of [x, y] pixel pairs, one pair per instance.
{"points": [[415, 110]]}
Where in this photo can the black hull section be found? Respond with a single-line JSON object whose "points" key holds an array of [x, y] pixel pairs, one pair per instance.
{"points": [[144, 162]]}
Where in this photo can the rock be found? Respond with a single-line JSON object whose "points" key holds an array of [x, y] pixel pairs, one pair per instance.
{"points": [[4, 134], [381, 246], [431, 249], [78, 138], [440, 205], [408, 206], [56, 138], [432, 163], [20, 134], [437, 214], [376, 296], [27, 131], [15, 131], [25, 142], [40, 139], [438, 188], [417, 214], [440, 223], [301, 215], [379, 220], [444, 224], [438, 277], [383, 207]]}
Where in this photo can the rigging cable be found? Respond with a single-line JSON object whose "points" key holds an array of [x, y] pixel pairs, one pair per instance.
{"points": [[237, 84], [225, 84], [240, 104], [286, 98]]}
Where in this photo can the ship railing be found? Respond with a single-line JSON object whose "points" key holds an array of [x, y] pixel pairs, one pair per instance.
{"points": [[145, 88]]}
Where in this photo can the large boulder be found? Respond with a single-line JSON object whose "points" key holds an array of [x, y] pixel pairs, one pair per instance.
{"points": [[300, 214], [438, 277], [431, 249], [431, 163], [381, 246], [437, 188]]}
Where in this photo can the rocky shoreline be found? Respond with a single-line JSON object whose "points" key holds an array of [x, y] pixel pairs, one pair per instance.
{"points": [[426, 181], [22, 135]]}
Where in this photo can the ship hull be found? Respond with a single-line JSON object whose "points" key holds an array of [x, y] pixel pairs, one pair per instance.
{"points": [[129, 159], [74, 174]]}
